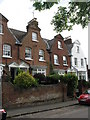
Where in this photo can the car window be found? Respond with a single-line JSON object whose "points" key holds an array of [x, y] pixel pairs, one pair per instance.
{"points": [[86, 92]]}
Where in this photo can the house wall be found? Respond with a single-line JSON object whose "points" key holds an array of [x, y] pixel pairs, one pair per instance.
{"points": [[7, 38], [35, 46], [79, 56], [60, 53]]}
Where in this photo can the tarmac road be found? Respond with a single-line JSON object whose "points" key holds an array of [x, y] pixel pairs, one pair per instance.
{"points": [[76, 111]]}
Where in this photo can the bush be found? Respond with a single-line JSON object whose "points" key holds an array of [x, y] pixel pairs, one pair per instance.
{"points": [[53, 79], [40, 78], [72, 81], [24, 80]]}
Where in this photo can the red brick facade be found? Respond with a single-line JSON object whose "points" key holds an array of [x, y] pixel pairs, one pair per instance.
{"points": [[19, 41]]}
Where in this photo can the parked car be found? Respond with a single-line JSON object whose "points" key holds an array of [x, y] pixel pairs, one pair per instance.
{"points": [[84, 98], [3, 114]]}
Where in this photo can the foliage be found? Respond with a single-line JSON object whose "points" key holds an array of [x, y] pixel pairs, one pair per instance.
{"points": [[66, 17], [24, 80], [71, 84], [53, 79], [40, 77]]}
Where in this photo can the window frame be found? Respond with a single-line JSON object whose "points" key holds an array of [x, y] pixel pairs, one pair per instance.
{"points": [[56, 59], [82, 62], [77, 49], [1, 28], [59, 45], [34, 36], [29, 54], [41, 55], [75, 61], [64, 60], [7, 50]]}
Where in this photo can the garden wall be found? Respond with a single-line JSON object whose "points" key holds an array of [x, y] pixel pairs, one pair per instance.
{"points": [[13, 97]]}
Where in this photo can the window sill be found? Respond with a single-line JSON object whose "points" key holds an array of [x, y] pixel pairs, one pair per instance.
{"points": [[1, 33], [60, 48], [6, 57], [28, 59], [56, 64], [42, 60], [65, 64], [35, 40]]}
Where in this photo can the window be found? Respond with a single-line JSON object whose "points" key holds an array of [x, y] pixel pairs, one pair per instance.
{"points": [[34, 36], [64, 60], [28, 53], [1, 28], [82, 63], [75, 61], [38, 70], [56, 60], [59, 45], [77, 49], [41, 55], [6, 50]]}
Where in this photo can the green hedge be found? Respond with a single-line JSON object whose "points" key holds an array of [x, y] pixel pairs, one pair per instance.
{"points": [[24, 80]]}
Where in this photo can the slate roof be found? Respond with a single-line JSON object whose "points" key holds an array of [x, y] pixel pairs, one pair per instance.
{"points": [[18, 35]]}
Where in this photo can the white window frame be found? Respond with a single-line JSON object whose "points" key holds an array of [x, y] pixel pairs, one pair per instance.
{"points": [[59, 45], [77, 49], [75, 61], [41, 55], [64, 60], [34, 36], [56, 59], [82, 62], [28, 53], [42, 71], [1, 29], [7, 50]]}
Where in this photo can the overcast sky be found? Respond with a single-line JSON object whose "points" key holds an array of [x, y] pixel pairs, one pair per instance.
{"points": [[20, 12]]}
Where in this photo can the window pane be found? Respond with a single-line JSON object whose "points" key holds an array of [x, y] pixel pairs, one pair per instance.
{"points": [[41, 55], [64, 60], [81, 62], [6, 50], [56, 61], [1, 28], [27, 52], [59, 45], [75, 61], [34, 36]]}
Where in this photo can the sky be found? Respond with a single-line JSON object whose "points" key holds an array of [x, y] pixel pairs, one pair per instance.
{"points": [[20, 12]]}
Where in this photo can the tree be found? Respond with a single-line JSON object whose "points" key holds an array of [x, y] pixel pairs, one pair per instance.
{"points": [[66, 17]]}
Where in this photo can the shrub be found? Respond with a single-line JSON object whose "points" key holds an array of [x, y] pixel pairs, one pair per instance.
{"points": [[72, 80], [40, 78], [53, 79], [24, 80]]}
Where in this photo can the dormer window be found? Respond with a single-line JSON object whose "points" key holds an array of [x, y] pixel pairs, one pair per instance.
{"points": [[6, 50], [59, 45], [34, 36], [77, 49], [1, 28]]}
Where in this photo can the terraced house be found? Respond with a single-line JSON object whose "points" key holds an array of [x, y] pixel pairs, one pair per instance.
{"points": [[59, 57], [24, 50], [29, 51]]}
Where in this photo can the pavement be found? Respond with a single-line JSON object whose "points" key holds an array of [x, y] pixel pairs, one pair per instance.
{"points": [[14, 112]]}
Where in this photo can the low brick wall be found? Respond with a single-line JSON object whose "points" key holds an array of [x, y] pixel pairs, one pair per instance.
{"points": [[15, 98]]}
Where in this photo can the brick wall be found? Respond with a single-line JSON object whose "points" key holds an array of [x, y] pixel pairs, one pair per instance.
{"points": [[13, 97]]}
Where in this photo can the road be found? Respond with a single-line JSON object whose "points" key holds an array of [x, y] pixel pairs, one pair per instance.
{"points": [[76, 111]]}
